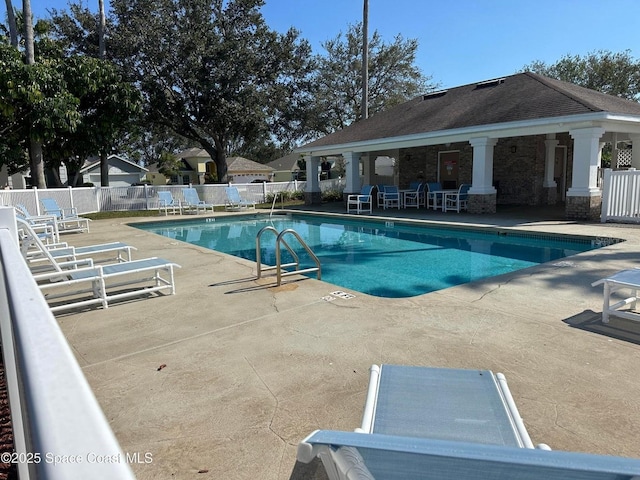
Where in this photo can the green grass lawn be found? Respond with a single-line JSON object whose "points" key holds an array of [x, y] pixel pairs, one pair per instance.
{"points": [[154, 213]]}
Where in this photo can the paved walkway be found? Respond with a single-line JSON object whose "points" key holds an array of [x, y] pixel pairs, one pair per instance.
{"points": [[224, 379]]}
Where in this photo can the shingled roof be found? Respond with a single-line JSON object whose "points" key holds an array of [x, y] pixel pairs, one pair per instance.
{"points": [[519, 97]]}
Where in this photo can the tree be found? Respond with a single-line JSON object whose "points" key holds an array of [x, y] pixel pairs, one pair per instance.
{"points": [[211, 70], [393, 78], [107, 108], [612, 73], [35, 108]]}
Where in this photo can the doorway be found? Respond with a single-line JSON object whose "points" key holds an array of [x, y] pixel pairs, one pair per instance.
{"points": [[448, 164], [560, 172]]}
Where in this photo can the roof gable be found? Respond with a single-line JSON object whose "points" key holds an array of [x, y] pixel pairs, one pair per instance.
{"points": [[288, 162], [114, 161], [519, 97], [241, 164]]}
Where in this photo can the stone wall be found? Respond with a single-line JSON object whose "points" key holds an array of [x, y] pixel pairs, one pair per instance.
{"points": [[421, 163], [518, 168], [583, 208]]}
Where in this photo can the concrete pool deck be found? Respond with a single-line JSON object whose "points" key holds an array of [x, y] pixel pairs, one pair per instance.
{"points": [[223, 379]]}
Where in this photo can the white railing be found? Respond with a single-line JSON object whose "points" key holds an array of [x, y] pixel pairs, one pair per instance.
{"points": [[145, 197], [621, 196], [59, 430]]}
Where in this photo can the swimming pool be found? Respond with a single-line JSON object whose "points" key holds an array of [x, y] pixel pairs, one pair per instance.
{"points": [[381, 258]]}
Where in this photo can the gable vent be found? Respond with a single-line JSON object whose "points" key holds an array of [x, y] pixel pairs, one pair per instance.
{"points": [[490, 83], [437, 94]]}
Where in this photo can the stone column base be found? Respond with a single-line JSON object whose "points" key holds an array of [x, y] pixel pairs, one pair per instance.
{"points": [[481, 203], [312, 198], [583, 208], [550, 195]]}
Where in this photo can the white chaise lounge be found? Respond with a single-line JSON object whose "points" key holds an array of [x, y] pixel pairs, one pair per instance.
{"points": [[624, 280]]}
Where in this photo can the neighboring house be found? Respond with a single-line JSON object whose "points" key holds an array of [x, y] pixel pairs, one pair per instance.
{"points": [[122, 172], [198, 168], [524, 139], [286, 168], [242, 170], [185, 176]]}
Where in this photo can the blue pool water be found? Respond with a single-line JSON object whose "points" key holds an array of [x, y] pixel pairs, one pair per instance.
{"points": [[377, 257]]}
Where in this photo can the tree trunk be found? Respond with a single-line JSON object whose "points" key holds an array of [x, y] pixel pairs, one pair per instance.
{"points": [[36, 162], [365, 60], [13, 28], [101, 30], [104, 165]]}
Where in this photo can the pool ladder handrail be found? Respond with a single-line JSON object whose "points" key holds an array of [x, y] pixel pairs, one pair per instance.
{"points": [[278, 267]]}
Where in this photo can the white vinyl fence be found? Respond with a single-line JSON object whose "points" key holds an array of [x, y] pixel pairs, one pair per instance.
{"points": [[145, 197], [621, 196]]}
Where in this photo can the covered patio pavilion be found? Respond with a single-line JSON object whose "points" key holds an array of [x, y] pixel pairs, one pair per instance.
{"points": [[523, 139]]}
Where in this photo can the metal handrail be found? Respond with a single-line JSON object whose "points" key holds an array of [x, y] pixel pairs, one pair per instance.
{"points": [[279, 265], [261, 268]]}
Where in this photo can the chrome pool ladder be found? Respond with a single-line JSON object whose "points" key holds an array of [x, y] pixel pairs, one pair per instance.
{"points": [[279, 267]]}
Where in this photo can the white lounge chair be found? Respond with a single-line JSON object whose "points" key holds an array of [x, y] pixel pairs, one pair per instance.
{"points": [[44, 226], [361, 202], [354, 456], [77, 283], [37, 253], [67, 218], [234, 201], [166, 202], [408, 406], [192, 202], [623, 280]]}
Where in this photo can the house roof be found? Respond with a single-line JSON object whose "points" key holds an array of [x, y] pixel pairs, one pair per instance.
{"points": [[288, 162], [241, 164], [523, 97], [193, 152], [185, 167], [93, 163]]}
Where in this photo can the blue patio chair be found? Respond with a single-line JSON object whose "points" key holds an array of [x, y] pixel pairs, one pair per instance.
{"points": [[391, 197], [433, 198], [456, 200], [361, 202], [416, 196]]}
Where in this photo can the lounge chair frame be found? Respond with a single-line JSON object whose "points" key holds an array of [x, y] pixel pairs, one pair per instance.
{"points": [[67, 219], [234, 200], [624, 280], [166, 202], [192, 202]]}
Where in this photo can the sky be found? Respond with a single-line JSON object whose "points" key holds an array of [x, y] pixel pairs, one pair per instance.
{"points": [[460, 41]]}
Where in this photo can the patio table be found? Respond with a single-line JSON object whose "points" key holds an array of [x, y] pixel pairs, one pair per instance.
{"points": [[442, 194]]}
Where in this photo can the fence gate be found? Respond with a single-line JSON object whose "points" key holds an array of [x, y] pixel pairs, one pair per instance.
{"points": [[621, 196]]}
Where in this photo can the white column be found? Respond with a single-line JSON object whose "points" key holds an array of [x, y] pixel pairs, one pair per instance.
{"points": [[635, 151], [482, 181], [614, 151], [369, 168], [586, 148], [352, 172], [313, 183], [550, 160]]}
